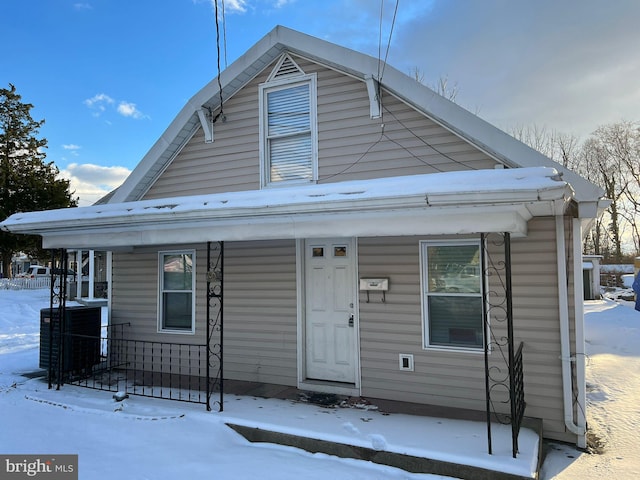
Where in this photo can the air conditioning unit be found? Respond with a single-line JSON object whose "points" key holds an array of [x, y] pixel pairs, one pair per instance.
{"points": [[80, 339]]}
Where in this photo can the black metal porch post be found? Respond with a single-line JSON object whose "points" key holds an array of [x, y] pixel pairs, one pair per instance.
{"points": [[513, 383], [485, 326], [215, 283], [57, 316]]}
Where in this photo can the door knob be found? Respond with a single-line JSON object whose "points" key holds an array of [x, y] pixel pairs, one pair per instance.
{"points": [[351, 320]]}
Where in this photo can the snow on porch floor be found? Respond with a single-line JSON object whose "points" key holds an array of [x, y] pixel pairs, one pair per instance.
{"points": [[359, 426], [460, 442]]}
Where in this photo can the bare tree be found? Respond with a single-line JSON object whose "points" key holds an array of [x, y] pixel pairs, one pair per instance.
{"points": [[602, 160], [610, 158], [624, 141], [442, 86], [561, 147]]}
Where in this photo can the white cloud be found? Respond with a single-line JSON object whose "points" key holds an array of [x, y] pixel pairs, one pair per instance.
{"points": [[92, 182], [72, 148], [234, 6], [283, 3], [128, 109], [82, 6], [99, 103]]}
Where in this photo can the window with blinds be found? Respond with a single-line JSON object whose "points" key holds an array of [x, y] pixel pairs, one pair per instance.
{"points": [[288, 129], [453, 289]]}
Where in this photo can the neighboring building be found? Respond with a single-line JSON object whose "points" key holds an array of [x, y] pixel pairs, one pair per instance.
{"points": [[591, 276], [89, 283], [369, 225]]}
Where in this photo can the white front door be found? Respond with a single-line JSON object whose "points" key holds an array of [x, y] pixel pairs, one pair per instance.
{"points": [[330, 310]]}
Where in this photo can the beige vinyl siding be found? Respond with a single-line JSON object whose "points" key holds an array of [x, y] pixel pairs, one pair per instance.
{"points": [[135, 294], [260, 329], [451, 378], [135, 303], [260, 341], [350, 144]]}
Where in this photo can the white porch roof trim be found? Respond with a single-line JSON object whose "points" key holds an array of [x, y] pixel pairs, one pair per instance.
{"points": [[432, 204]]}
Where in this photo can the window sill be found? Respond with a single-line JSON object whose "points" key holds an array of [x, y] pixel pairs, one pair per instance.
{"points": [[452, 349], [177, 331]]}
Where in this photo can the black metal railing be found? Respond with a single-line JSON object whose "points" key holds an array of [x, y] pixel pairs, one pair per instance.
{"points": [[518, 404], [172, 371]]}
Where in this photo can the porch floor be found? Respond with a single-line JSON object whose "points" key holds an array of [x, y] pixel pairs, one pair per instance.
{"points": [[417, 438]]}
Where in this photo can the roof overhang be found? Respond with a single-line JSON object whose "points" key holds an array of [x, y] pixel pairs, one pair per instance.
{"points": [[435, 204]]}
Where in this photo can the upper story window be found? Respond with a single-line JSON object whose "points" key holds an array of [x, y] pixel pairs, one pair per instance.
{"points": [[453, 288], [288, 132]]}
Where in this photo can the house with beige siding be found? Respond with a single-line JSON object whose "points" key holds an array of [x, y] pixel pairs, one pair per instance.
{"points": [[323, 223]]}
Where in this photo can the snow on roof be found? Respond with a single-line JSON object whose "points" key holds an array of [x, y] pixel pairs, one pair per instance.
{"points": [[493, 185], [623, 268], [452, 203]]}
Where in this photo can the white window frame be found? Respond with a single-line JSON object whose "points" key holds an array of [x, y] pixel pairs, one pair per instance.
{"points": [[425, 294], [161, 291], [282, 84]]}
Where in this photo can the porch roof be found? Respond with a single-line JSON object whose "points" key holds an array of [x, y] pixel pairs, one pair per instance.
{"points": [[432, 204]]}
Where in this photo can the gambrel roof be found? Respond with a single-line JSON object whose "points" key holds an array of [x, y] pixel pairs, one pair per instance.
{"points": [[497, 144], [472, 201]]}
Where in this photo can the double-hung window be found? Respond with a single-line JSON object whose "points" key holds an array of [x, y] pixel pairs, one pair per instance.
{"points": [[288, 131], [177, 292], [452, 295]]}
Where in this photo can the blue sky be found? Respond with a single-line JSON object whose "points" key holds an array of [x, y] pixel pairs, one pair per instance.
{"points": [[108, 76]]}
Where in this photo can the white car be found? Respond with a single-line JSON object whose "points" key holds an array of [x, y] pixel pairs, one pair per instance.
{"points": [[35, 271]]}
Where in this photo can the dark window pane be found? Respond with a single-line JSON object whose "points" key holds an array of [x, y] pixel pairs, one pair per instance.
{"points": [[455, 321], [177, 309], [339, 251]]}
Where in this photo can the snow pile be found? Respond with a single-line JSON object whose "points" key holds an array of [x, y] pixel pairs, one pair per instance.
{"points": [[613, 388], [130, 438]]}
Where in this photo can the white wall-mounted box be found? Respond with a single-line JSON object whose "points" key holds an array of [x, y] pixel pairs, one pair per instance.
{"points": [[380, 284]]}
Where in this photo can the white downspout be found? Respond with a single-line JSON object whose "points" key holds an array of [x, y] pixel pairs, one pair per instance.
{"points": [[109, 283], [92, 274], [581, 357], [78, 274], [565, 347]]}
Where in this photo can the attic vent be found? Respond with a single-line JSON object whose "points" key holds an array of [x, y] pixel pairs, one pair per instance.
{"points": [[285, 68]]}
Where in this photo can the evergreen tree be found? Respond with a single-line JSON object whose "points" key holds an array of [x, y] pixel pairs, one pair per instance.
{"points": [[27, 181]]}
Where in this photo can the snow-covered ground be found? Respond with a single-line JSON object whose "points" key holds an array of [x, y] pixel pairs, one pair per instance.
{"points": [[144, 438]]}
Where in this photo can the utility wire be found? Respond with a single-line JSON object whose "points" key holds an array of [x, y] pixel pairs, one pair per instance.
{"points": [[380, 38], [393, 22], [353, 164], [224, 34], [422, 140], [384, 136], [218, 53]]}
